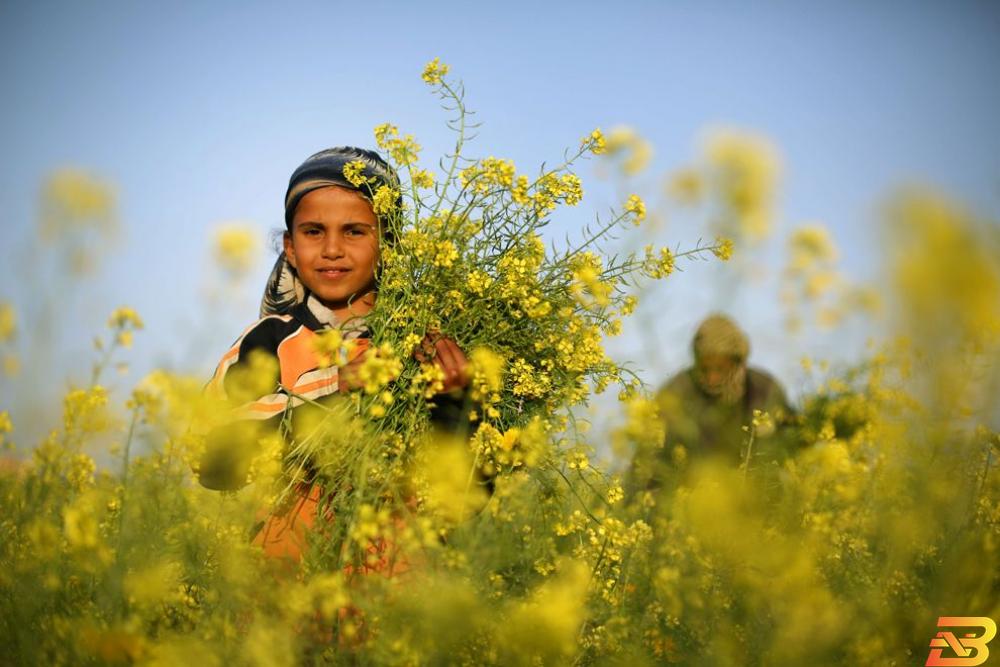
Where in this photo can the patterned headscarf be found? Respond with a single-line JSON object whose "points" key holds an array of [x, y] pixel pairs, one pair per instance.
{"points": [[284, 290], [327, 168]]}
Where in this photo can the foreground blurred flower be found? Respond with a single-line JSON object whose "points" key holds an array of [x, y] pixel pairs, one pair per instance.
{"points": [[236, 247]]}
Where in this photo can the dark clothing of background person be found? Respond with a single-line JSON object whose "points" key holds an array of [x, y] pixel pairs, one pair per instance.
{"points": [[705, 408], [707, 427]]}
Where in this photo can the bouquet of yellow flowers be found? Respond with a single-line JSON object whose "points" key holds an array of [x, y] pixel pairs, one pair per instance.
{"points": [[462, 257]]}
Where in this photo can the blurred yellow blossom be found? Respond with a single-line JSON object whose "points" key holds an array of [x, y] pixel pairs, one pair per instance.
{"points": [[6, 425], [810, 245], [634, 150], [543, 629], [744, 168], [11, 365], [8, 322], [449, 475], [486, 372], [686, 186], [73, 197], [236, 248], [124, 318]]}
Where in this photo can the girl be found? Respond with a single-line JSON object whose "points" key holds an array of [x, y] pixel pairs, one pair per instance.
{"points": [[326, 278]]}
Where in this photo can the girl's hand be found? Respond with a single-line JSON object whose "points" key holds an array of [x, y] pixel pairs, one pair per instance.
{"points": [[449, 356], [347, 375], [445, 352]]}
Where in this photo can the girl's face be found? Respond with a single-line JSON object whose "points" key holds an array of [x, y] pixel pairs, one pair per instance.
{"points": [[334, 247]]}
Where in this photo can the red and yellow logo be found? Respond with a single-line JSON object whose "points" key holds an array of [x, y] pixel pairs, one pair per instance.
{"points": [[969, 650]]}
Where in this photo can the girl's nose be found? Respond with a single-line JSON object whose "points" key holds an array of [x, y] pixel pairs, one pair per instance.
{"points": [[334, 246]]}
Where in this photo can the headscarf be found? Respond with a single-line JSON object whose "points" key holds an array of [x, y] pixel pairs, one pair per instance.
{"points": [[720, 336], [326, 168], [284, 290]]}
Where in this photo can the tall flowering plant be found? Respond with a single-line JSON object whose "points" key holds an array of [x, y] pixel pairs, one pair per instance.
{"points": [[463, 257]]}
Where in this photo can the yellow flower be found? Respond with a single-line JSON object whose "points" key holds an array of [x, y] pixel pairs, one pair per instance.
{"points": [[258, 377], [445, 254], [8, 322], [331, 348], [479, 281], [404, 150], [572, 189], [80, 525], [153, 584], [123, 318], [384, 133], [124, 338], [485, 371], [236, 247], [489, 173], [543, 629], [86, 410], [381, 366], [446, 477], [658, 267], [11, 365], [723, 248], [354, 172], [629, 304], [76, 198], [637, 208], [434, 71], [519, 191], [385, 200], [745, 168], [595, 142], [422, 178], [810, 245]]}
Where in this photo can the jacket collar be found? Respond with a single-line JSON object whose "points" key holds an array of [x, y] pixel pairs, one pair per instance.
{"points": [[318, 317]]}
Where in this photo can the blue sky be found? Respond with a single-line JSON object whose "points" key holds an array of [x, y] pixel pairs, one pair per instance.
{"points": [[199, 112]]}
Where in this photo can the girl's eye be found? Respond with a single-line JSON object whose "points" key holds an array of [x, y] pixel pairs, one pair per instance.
{"points": [[311, 232]]}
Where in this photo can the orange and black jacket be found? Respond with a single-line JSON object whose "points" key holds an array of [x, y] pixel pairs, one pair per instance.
{"points": [[297, 377]]}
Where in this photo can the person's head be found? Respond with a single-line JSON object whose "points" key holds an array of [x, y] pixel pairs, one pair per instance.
{"points": [[720, 356], [332, 234]]}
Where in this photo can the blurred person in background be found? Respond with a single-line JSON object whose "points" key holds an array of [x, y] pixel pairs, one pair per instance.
{"points": [[708, 409]]}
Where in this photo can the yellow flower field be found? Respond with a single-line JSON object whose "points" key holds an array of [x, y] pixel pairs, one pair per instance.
{"points": [[518, 541]]}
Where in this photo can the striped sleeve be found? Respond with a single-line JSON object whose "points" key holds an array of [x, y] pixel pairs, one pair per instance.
{"points": [[249, 372]]}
